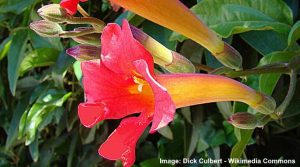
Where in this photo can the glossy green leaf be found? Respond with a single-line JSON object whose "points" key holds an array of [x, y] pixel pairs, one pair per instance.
{"points": [[240, 146], [15, 6], [43, 42], [38, 58], [194, 137], [166, 132], [159, 33], [33, 118], [16, 55], [265, 42], [34, 150], [294, 34], [4, 47], [267, 82], [77, 70], [228, 17], [63, 62]]}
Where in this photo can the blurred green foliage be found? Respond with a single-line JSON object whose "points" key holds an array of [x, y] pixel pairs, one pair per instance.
{"points": [[40, 88]]}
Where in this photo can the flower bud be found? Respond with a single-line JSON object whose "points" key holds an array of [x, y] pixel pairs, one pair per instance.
{"points": [[84, 52], [90, 39], [54, 13], [243, 120], [46, 28], [170, 60]]}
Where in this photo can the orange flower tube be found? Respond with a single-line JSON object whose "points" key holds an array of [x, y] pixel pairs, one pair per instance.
{"points": [[177, 17], [191, 89]]}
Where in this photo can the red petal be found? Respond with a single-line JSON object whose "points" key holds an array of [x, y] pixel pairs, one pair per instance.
{"points": [[121, 143], [91, 113], [105, 89], [164, 108], [120, 49], [70, 6], [101, 83]]}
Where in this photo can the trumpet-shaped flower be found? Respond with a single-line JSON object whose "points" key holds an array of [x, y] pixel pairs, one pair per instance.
{"points": [[123, 83], [174, 15], [71, 5]]}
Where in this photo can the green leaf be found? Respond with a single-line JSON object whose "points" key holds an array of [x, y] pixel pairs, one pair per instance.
{"points": [[265, 42], [72, 150], [60, 68], [240, 146], [294, 34], [194, 137], [166, 132], [267, 82], [14, 124], [87, 135], [15, 6], [159, 33], [186, 113], [38, 58], [228, 17], [33, 119], [43, 42], [34, 150], [16, 55], [4, 47], [202, 145], [77, 70], [134, 19]]}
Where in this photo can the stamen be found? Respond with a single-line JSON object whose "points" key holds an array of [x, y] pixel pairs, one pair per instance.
{"points": [[140, 88]]}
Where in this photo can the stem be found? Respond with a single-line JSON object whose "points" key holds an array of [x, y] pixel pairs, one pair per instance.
{"points": [[82, 11], [96, 23], [69, 34], [274, 68], [204, 68], [293, 80]]}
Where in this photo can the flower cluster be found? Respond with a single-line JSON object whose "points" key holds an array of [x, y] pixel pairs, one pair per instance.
{"points": [[120, 82]]}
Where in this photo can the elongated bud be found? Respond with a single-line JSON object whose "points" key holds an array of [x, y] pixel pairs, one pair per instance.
{"points": [[170, 60], [90, 39], [243, 120], [46, 28], [84, 52], [54, 13]]}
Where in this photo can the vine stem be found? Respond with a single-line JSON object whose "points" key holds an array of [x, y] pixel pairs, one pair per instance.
{"points": [[82, 11], [293, 81]]}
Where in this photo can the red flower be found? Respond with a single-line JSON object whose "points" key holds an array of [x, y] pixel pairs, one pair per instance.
{"points": [[120, 84], [71, 5], [123, 83]]}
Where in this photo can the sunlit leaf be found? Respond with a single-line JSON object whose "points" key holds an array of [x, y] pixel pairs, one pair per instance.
{"points": [[16, 55]]}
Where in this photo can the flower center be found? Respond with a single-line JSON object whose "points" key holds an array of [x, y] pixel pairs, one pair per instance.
{"points": [[140, 82]]}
